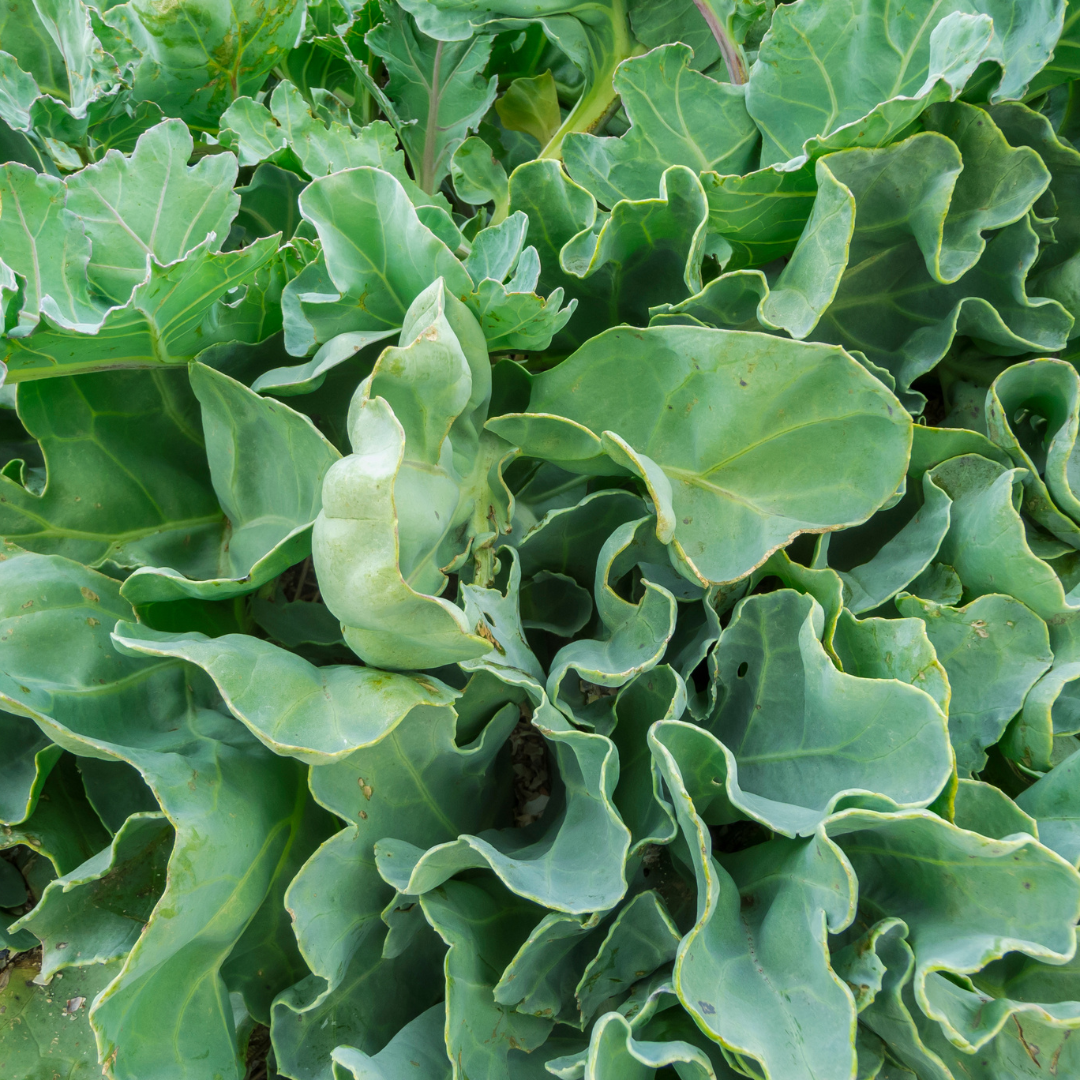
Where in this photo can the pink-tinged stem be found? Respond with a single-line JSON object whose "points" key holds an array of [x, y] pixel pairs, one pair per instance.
{"points": [[732, 54]]}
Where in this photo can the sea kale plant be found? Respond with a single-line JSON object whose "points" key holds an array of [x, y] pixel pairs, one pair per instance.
{"points": [[540, 538]]}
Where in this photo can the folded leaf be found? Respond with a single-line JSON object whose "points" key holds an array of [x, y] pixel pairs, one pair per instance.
{"points": [[635, 638], [994, 650], [267, 465], [482, 924], [754, 972], [1005, 895], [200, 764], [422, 491], [678, 117], [416, 784]]}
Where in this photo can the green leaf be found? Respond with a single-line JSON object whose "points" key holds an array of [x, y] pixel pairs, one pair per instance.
{"points": [[306, 378], [657, 24], [906, 290], [171, 317], [250, 129], [994, 650], [195, 61], [555, 867], [97, 912], [270, 203], [157, 509], [614, 1052], [568, 539], [290, 131], [1045, 393], [773, 673], [1005, 895], [151, 204], [595, 37], [319, 715], [204, 769], [1024, 127], [44, 1030], [761, 215], [115, 790], [791, 770], [753, 971], [678, 117], [635, 635], [1052, 801], [436, 88], [825, 66], [378, 255], [891, 649], [89, 69], [541, 978], [531, 105], [497, 618], [33, 222], [416, 784], [639, 797], [18, 94], [267, 465], [985, 809], [480, 178], [641, 939], [29, 758], [121, 128], [497, 250], [776, 397], [987, 544], [483, 924], [646, 247], [63, 826], [889, 1013], [986, 541], [903, 556], [419, 1043], [615, 266], [512, 315], [1018, 1051], [1063, 66]]}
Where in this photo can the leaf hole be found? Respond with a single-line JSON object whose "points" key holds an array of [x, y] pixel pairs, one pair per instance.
{"points": [[743, 668]]}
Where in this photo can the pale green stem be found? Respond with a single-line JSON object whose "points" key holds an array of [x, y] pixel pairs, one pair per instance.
{"points": [[427, 171], [484, 563], [595, 104]]}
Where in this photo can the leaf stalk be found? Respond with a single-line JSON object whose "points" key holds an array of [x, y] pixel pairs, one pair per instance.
{"points": [[730, 50]]}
